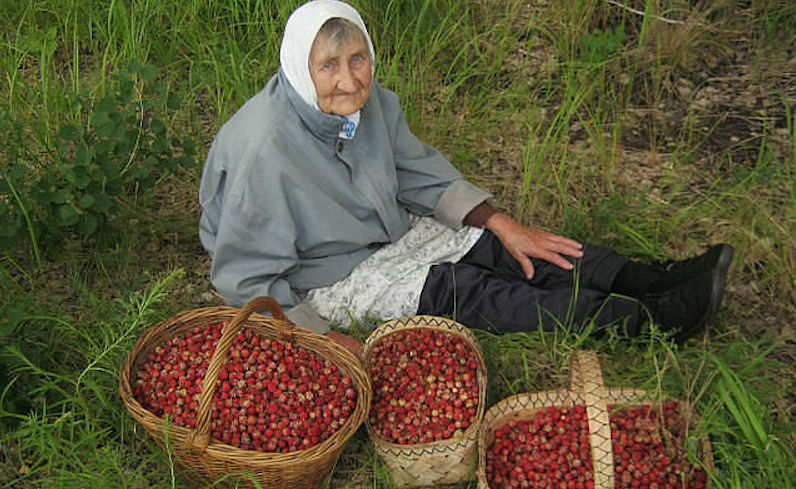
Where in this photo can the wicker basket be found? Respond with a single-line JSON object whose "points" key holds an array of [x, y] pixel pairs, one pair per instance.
{"points": [[202, 460], [440, 462], [586, 389]]}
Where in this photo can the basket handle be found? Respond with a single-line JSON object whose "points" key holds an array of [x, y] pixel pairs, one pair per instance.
{"points": [[586, 378], [199, 437]]}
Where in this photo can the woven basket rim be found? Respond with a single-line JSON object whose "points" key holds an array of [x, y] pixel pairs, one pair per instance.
{"points": [[183, 321], [416, 322]]}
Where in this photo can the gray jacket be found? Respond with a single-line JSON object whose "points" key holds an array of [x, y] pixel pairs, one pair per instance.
{"points": [[288, 206]]}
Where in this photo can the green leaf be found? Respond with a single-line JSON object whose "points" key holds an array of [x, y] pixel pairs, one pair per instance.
{"points": [[104, 124], [87, 201], [111, 169], [82, 178], [125, 91], [88, 226], [67, 215], [70, 132], [148, 72], [133, 175], [83, 155], [96, 173], [157, 127], [103, 203], [123, 133], [173, 101], [160, 144], [107, 104], [61, 196], [67, 172], [104, 149], [49, 43], [133, 67]]}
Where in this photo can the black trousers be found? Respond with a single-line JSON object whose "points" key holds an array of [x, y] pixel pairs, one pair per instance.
{"points": [[487, 289]]}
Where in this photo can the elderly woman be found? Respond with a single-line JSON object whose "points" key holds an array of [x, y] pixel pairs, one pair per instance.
{"points": [[317, 194]]}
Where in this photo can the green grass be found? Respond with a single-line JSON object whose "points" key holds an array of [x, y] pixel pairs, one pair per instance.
{"points": [[582, 117]]}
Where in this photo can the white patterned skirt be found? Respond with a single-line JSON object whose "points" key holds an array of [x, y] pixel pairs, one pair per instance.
{"points": [[387, 285]]}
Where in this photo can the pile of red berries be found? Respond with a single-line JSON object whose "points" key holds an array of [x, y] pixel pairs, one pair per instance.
{"points": [[648, 449], [271, 396], [425, 386], [550, 450]]}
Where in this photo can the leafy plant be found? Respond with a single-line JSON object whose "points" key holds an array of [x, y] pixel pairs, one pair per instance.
{"points": [[600, 46], [120, 150]]}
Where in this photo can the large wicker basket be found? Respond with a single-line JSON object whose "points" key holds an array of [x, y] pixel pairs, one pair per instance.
{"points": [[586, 389], [444, 461], [202, 460]]}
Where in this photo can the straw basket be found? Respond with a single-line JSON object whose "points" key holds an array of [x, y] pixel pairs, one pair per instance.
{"points": [[586, 389], [203, 460], [440, 462]]}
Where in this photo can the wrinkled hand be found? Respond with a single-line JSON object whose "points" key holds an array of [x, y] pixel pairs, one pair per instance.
{"points": [[352, 344], [524, 242]]}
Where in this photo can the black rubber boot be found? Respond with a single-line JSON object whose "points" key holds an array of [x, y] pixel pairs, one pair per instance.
{"points": [[637, 279], [688, 306], [717, 257]]}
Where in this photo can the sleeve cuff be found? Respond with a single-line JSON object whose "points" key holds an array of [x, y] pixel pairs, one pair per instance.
{"points": [[457, 201], [479, 215], [303, 315]]}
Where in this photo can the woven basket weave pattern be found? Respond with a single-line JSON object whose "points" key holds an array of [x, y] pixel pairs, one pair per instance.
{"points": [[444, 461], [203, 460]]}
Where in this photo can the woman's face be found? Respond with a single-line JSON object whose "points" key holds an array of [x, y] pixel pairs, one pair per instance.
{"points": [[341, 74]]}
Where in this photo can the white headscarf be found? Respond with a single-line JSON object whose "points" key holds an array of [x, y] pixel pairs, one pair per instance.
{"points": [[300, 31]]}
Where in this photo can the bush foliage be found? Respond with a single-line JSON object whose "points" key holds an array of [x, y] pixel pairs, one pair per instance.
{"points": [[117, 150]]}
